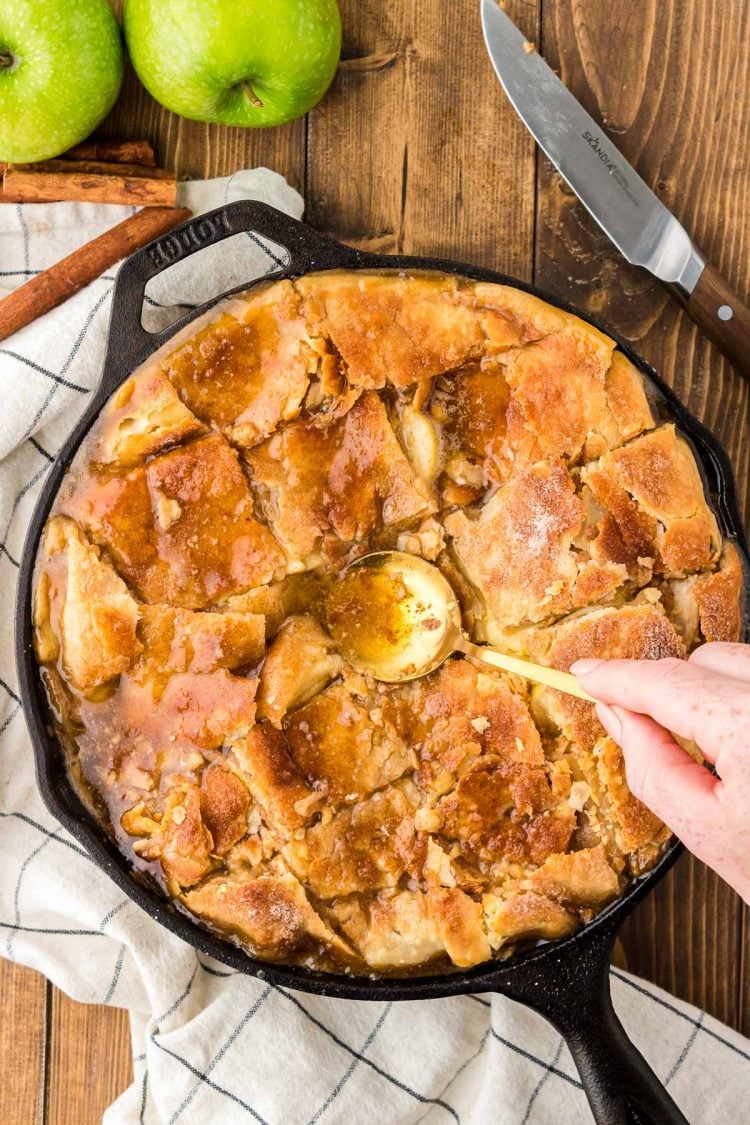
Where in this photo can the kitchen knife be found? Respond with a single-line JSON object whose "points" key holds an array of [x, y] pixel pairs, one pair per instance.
{"points": [[641, 227]]}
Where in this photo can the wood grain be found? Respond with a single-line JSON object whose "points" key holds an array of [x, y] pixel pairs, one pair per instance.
{"points": [[89, 1061], [416, 148], [662, 77], [22, 1044]]}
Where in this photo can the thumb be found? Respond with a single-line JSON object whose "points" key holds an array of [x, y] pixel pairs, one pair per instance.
{"points": [[679, 790]]}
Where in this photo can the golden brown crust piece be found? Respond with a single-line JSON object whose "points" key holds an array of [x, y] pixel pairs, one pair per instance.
{"points": [[567, 395], [582, 878], [338, 482], [83, 606], [521, 551], [525, 917], [571, 393], [361, 848], [558, 403], [344, 745], [271, 913], [224, 803], [181, 640], [185, 574], [143, 417], [489, 796], [248, 371], [412, 927], [390, 329], [654, 505], [458, 920], [531, 317], [719, 599], [627, 401], [186, 844], [458, 713], [263, 760], [629, 827], [301, 661], [181, 528], [389, 930]]}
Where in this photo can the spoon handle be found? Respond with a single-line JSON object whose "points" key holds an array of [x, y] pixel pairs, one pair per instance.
{"points": [[537, 673]]}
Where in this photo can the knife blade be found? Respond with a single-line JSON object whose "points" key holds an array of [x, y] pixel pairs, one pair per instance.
{"points": [[645, 232]]}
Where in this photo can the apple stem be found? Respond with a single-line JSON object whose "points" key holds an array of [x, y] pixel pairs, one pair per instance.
{"points": [[250, 93], [6, 59]]}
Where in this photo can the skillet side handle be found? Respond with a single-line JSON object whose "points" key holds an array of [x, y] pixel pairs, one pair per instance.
{"points": [[573, 993], [304, 249]]}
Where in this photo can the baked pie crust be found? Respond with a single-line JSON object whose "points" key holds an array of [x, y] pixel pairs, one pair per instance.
{"points": [[311, 814]]}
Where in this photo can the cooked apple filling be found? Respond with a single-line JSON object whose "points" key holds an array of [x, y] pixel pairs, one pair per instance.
{"points": [[290, 803]]}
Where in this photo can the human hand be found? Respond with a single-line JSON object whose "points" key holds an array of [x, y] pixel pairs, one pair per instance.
{"points": [[705, 699]]}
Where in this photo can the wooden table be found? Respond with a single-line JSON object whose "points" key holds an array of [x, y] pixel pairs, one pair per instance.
{"points": [[415, 149]]}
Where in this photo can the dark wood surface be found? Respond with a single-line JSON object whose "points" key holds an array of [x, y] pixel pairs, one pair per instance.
{"points": [[415, 149]]}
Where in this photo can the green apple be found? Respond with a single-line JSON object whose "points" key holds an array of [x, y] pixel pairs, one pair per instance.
{"points": [[234, 62], [61, 66]]}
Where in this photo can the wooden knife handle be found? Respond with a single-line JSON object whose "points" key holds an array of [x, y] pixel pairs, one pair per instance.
{"points": [[723, 317]]}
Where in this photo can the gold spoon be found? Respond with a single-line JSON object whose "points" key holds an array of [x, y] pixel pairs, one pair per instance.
{"points": [[395, 616]]}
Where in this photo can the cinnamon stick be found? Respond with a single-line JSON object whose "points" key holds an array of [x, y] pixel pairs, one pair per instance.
{"points": [[27, 184], [117, 152], [49, 289], [94, 168]]}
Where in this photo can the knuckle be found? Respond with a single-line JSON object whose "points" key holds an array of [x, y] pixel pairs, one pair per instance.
{"points": [[663, 673]]}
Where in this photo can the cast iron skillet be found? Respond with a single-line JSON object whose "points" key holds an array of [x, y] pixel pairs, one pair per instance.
{"points": [[567, 981]]}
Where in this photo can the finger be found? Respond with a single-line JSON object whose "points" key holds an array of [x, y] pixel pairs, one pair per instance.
{"points": [[660, 773], [729, 660], [694, 702]]}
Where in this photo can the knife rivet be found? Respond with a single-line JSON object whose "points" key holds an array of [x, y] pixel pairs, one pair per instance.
{"points": [[725, 312]]}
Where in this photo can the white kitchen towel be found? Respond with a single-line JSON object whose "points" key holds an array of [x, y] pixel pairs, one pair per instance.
{"points": [[208, 1044]]}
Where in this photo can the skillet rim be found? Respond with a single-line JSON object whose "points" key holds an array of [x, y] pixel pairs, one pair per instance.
{"points": [[58, 793]]}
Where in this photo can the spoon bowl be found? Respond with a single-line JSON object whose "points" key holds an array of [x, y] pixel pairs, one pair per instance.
{"points": [[395, 616]]}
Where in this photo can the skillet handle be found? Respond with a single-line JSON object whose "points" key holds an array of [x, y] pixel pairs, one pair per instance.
{"points": [[572, 991], [304, 249]]}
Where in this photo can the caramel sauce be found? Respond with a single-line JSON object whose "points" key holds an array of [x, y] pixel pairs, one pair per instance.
{"points": [[214, 505]]}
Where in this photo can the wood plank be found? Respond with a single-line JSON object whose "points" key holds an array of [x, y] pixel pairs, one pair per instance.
{"points": [[744, 1012], [89, 1061], [22, 1043], [688, 139], [415, 149], [637, 75]]}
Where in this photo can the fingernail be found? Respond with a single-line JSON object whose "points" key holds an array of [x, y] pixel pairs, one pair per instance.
{"points": [[581, 667], [611, 720]]}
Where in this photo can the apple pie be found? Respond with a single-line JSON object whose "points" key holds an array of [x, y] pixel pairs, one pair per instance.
{"points": [[285, 800]]}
